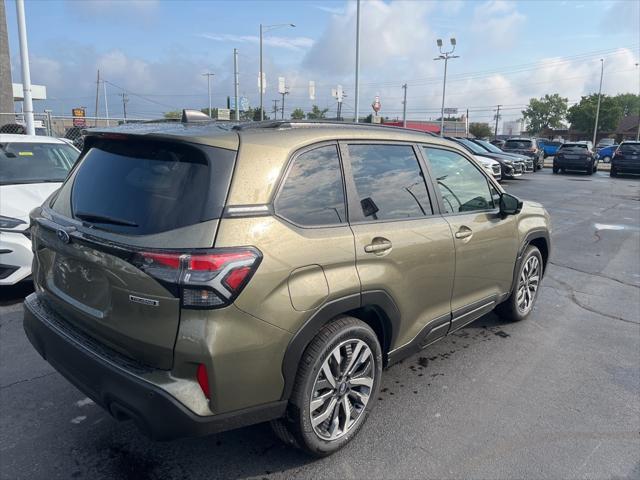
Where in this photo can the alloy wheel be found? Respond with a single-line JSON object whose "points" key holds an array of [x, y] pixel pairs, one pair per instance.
{"points": [[528, 284], [342, 389]]}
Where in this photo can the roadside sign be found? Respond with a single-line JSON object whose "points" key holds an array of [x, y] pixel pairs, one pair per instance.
{"points": [[376, 105], [244, 104], [78, 115], [281, 85], [451, 111], [224, 114], [264, 83]]}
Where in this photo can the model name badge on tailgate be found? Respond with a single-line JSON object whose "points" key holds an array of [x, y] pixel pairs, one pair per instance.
{"points": [[144, 301]]}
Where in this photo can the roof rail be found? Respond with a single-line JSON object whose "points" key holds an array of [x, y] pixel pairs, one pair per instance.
{"points": [[310, 123]]}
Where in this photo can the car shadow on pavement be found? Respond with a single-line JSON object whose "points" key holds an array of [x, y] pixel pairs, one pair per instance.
{"points": [[13, 294]]}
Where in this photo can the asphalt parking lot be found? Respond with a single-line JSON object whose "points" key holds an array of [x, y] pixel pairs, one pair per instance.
{"points": [[556, 396]]}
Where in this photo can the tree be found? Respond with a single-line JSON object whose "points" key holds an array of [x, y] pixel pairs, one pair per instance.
{"points": [[316, 113], [173, 114], [582, 116], [629, 103], [546, 112], [480, 130], [297, 114]]}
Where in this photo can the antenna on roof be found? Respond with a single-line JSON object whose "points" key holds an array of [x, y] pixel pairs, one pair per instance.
{"points": [[190, 116]]}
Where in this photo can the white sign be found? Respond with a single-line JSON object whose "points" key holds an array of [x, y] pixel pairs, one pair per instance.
{"points": [[264, 83], [244, 104], [451, 111], [312, 90], [38, 92], [376, 105], [281, 85], [224, 114]]}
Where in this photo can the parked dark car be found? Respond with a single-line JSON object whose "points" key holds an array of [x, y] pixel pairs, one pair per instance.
{"points": [[576, 156], [510, 168], [498, 143], [528, 163], [528, 147], [626, 159]]}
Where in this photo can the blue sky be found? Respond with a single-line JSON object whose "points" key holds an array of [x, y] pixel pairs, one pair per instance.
{"points": [[157, 50]]}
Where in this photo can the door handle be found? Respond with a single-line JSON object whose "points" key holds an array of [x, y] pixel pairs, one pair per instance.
{"points": [[464, 232], [378, 245]]}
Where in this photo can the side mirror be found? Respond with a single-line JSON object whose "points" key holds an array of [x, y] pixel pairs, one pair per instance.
{"points": [[509, 205]]}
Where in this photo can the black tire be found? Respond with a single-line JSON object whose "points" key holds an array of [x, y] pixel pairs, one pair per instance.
{"points": [[509, 309], [613, 172], [295, 428], [555, 169]]}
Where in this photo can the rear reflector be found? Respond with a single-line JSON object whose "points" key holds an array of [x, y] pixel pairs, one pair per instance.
{"points": [[207, 279], [203, 380]]}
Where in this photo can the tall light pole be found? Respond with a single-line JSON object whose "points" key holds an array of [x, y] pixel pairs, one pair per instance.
{"points": [[595, 127], [209, 75], [404, 106], [357, 99], [445, 56], [638, 132], [236, 84], [264, 29], [26, 73]]}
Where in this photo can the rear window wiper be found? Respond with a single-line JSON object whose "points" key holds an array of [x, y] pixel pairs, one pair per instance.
{"points": [[93, 217]]}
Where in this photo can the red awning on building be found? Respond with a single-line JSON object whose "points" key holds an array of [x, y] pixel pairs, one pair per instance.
{"points": [[416, 125]]}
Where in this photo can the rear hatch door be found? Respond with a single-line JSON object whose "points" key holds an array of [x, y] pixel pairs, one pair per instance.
{"points": [[128, 196]]}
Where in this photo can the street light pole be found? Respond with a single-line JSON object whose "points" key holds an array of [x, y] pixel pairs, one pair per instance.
{"points": [[404, 106], [209, 75], [595, 127], [236, 84], [445, 56], [263, 30], [26, 73], [357, 99]]}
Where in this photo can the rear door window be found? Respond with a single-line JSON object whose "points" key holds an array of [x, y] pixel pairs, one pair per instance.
{"points": [[313, 193], [389, 182], [144, 187]]}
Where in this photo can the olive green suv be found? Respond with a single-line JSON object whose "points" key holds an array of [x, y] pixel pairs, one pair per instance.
{"points": [[196, 277]]}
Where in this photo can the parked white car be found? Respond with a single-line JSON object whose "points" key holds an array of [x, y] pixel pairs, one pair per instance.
{"points": [[491, 166], [31, 168]]}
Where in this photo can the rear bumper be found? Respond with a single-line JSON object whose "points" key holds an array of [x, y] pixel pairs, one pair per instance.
{"points": [[626, 167], [117, 387], [580, 164], [15, 257]]}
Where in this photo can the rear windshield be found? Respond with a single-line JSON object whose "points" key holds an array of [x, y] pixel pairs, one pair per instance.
{"points": [[574, 146], [553, 144], [517, 144], [630, 148], [145, 187], [22, 162]]}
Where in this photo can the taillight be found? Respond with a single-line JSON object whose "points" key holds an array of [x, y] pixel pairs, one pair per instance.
{"points": [[618, 153], [208, 279]]}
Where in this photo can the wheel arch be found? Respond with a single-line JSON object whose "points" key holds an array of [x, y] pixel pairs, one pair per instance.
{"points": [[539, 239], [376, 308]]}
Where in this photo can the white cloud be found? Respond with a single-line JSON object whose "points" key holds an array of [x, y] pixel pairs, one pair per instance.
{"points": [[622, 14], [289, 43], [497, 22]]}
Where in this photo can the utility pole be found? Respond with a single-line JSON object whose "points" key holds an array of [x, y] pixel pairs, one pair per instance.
{"points": [[445, 56], [26, 73], [466, 125], [125, 99], [495, 134], [404, 106], [275, 109], [595, 127], [638, 132], [357, 99], [286, 92], [106, 103], [209, 75], [95, 124], [236, 84]]}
